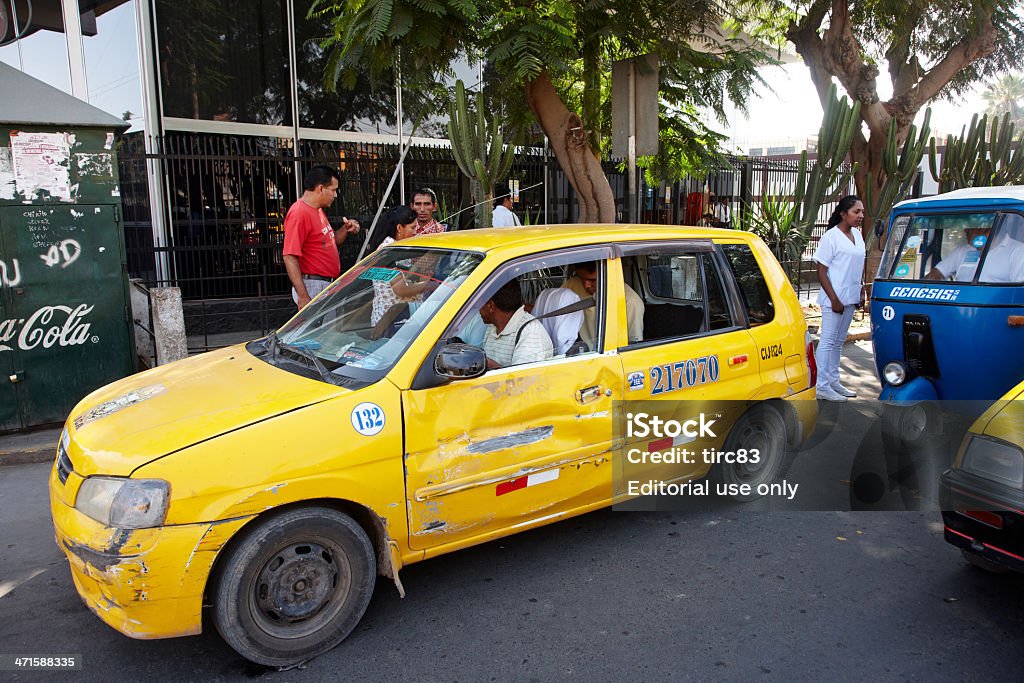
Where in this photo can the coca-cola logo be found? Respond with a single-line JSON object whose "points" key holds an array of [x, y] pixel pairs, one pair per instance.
{"points": [[49, 326]]}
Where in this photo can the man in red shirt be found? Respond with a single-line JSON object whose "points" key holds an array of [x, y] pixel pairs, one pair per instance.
{"points": [[310, 244], [424, 203]]}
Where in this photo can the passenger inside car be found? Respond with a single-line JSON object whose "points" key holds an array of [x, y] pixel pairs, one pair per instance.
{"points": [[564, 328], [510, 339], [585, 283]]}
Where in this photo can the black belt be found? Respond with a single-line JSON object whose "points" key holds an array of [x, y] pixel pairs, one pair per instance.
{"points": [[321, 278]]}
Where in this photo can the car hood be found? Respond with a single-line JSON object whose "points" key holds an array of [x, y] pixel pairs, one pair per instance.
{"points": [[133, 421]]}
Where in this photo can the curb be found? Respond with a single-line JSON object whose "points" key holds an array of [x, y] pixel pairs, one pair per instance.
{"points": [[27, 457], [859, 336]]}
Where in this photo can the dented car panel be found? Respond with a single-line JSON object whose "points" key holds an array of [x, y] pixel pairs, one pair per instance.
{"points": [[146, 583], [517, 443]]}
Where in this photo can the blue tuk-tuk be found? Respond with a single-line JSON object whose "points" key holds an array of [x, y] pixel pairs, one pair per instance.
{"points": [[947, 322], [947, 308]]}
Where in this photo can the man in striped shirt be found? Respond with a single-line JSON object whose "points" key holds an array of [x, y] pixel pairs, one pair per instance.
{"points": [[512, 338]]}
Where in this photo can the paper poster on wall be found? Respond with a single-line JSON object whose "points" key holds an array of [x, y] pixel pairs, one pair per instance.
{"points": [[6, 174], [41, 164], [98, 165]]}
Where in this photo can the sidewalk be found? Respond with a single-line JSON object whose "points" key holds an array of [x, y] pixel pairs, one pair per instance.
{"points": [[37, 445], [40, 445]]}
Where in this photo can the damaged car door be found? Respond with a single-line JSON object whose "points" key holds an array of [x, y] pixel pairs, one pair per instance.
{"points": [[515, 446]]}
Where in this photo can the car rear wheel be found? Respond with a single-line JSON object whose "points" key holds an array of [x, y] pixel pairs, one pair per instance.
{"points": [[980, 562], [761, 428], [294, 586]]}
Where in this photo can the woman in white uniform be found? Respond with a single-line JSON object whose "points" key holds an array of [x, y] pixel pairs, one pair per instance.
{"points": [[840, 258]]}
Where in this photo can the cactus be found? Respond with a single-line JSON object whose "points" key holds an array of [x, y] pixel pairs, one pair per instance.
{"points": [[899, 171], [786, 225], [826, 180], [979, 157], [479, 150]]}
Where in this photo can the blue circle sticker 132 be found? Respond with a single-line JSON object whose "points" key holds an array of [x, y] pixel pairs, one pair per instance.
{"points": [[368, 418]]}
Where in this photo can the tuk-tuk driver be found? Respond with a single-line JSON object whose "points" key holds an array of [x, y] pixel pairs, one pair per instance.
{"points": [[1004, 262]]}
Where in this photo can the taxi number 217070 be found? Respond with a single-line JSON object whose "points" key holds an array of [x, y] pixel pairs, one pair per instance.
{"points": [[685, 373]]}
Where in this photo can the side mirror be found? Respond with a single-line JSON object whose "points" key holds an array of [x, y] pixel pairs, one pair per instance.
{"points": [[460, 361], [879, 227]]}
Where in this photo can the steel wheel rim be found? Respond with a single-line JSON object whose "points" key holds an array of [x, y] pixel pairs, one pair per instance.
{"points": [[300, 588], [760, 435]]}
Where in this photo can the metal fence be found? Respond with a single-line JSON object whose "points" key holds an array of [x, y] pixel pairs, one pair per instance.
{"points": [[227, 195]]}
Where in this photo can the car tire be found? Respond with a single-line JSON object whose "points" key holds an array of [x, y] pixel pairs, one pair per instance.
{"points": [[982, 563], [763, 428], [294, 586]]}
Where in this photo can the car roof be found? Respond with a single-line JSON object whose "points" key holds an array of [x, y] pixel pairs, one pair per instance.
{"points": [[968, 197], [545, 237]]}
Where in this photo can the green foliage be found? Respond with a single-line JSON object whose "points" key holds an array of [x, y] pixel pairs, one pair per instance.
{"points": [[575, 41], [1006, 96], [479, 149], [785, 224], [900, 171], [974, 159], [826, 179]]}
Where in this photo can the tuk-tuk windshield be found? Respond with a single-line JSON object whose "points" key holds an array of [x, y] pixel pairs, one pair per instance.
{"points": [[962, 247], [366, 320]]}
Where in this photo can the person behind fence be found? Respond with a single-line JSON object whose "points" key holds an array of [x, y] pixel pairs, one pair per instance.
{"points": [[503, 217], [424, 203], [840, 257], [512, 336], [397, 224], [310, 244]]}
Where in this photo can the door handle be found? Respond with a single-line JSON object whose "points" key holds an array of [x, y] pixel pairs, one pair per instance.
{"points": [[19, 291], [588, 394]]}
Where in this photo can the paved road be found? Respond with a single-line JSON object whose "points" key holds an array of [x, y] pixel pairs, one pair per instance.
{"points": [[608, 596]]}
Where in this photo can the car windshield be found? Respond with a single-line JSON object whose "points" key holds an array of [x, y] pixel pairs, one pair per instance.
{"points": [[363, 323], [963, 247]]}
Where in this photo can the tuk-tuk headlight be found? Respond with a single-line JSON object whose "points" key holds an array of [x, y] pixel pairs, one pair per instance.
{"points": [[895, 373], [994, 460], [124, 503]]}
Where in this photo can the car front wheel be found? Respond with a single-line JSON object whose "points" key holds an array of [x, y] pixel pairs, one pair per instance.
{"points": [[294, 586]]}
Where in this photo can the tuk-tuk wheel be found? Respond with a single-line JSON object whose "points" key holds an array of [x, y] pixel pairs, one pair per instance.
{"points": [[294, 586], [761, 428], [980, 562]]}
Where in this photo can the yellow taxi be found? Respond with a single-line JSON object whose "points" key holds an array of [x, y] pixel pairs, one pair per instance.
{"points": [[448, 390], [982, 494]]}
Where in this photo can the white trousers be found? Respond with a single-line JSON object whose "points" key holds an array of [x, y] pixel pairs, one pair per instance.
{"points": [[834, 327]]}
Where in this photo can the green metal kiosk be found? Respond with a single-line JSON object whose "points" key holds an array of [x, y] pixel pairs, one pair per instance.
{"points": [[65, 313]]}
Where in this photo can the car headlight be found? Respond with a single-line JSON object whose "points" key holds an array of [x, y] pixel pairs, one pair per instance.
{"points": [[124, 503], [895, 373], [994, 460]]}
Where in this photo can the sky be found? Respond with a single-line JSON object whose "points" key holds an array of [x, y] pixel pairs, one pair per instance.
{"points": [[792, 112]]}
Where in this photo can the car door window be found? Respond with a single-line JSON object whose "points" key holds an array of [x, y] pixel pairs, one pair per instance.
{"points": [[757, 299], [555, 298]]}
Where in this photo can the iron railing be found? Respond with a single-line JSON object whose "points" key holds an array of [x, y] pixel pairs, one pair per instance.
{"points": [[226, 197]]}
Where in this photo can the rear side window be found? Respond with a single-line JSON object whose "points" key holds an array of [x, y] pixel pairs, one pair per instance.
{"points": [[756, 297]]}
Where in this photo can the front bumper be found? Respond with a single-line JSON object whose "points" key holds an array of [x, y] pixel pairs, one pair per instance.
{"points": [[963, 493], [145, 583]]}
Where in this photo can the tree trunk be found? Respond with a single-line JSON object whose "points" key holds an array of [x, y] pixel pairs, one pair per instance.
{"points": [[568, 139]]}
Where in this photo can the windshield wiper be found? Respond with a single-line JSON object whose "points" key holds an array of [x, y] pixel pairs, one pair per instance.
{"points": [[304, 352]]}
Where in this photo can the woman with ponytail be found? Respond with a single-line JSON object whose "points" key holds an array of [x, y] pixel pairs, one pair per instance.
{"points": [[840, 257]]}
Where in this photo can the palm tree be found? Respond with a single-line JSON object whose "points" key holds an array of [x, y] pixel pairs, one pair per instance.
{"points": [[1006, 95]]}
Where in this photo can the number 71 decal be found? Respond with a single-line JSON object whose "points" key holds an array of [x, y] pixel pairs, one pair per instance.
{"points": [[685, 373]]}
